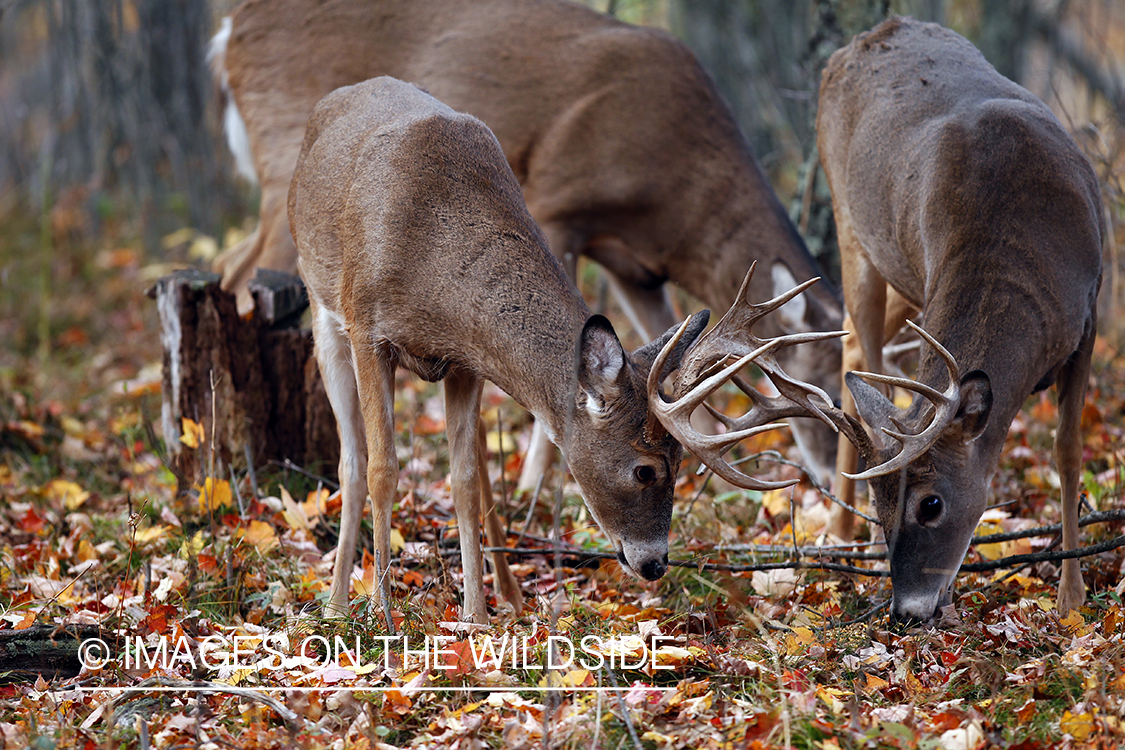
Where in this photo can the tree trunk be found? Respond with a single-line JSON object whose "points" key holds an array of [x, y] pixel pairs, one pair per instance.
{"points": [[252, 384]]}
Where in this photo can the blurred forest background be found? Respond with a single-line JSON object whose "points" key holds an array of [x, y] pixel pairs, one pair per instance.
{"points": [[111, 154]]}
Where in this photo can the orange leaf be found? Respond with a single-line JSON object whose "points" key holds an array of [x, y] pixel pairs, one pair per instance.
{"points": [[1026, 711], [260, 534], [461, 658], [32, 522], [875, 682]]}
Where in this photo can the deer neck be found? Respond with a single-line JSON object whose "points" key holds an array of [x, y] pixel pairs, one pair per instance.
{"points": [[740, 221]]}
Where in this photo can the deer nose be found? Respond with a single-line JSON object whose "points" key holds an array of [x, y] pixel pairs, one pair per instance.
{"points": [[654, 569], [908, 616]]}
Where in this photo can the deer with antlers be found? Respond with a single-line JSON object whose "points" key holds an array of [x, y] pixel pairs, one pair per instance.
{"points": [[959, 192], [418, 252]]}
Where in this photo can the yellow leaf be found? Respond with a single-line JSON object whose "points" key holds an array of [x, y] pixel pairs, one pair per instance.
{"points": [[214, 494], [398, 544], [832, 697], [315, 504], [365, 584], [260, 534], [293, 514], [661, 740], [192, 435], [576, 678], [1078, 726], [204, 248], [493, 441], [71, 495], [671, 656], [1073, 623], [178, 237], [150, 534], [86, 551], [776, 502], [192, 547]]}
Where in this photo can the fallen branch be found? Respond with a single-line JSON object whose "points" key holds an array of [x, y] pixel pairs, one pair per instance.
{"points": [[1035, 557], [1101, 516], [698, 565]]}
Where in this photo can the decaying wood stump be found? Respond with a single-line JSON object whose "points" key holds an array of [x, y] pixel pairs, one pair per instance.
{"points": [[252, 383]]}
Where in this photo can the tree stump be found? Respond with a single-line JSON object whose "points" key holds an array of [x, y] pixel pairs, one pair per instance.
{"points": [[252, 384]]}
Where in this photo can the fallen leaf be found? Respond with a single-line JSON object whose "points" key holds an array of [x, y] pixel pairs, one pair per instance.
{"points": [[214, 494], [192, 433], [1079, 726], [260, 534]]}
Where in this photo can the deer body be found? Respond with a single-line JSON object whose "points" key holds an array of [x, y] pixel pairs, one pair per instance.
{"points": [[417, 251], [959, 191], [624, 150]]}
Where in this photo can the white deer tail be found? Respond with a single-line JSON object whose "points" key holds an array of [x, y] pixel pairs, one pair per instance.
{"points": [[237, 138]]}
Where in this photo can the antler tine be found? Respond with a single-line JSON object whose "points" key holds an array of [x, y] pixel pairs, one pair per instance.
{"points": [[676, 418], [701, 372], [945, 410]]}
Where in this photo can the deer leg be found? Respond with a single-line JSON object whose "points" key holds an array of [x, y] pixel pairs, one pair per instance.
{"points": [[462, 413], [375, 374], [333, 356], [841, 522], [1068, 457], [494, 530], [865, 295], [538, 459]]}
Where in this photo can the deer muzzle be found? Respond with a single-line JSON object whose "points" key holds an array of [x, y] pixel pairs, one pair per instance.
{"points": [[647, 561]]}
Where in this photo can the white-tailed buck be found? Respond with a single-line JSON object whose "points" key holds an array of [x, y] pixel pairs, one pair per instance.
{"points": [[418, 252], [624, 149], [960, 192]]}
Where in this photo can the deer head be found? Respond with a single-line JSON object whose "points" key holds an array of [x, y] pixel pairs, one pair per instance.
{"points": [[627, 472], [927, 501]]}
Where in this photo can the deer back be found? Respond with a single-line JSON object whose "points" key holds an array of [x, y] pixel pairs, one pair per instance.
{"points": [[624, 149]]}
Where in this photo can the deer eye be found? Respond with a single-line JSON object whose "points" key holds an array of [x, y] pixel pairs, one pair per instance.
{"points": [[645, 474], [929, 509]]}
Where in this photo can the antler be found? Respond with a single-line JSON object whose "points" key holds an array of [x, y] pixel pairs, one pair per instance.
{"points": [[702, 372], [945, 410]]}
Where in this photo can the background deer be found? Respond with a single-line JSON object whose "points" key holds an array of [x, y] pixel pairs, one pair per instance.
{"points": [[960, 192], [418, 251], [624, 150]]}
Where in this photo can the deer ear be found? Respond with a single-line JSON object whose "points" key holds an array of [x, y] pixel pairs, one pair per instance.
{"points": [[645, 356], [976, 403], [600, 358], [874, 408]]}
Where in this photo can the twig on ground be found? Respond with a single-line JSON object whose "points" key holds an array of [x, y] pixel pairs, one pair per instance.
{"points": [[1100, 516], [628, 718], [1034, 557], [288, 464]]}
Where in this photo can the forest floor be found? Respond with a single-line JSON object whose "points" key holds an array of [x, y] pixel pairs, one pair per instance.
{"points": [[228, 581]]}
